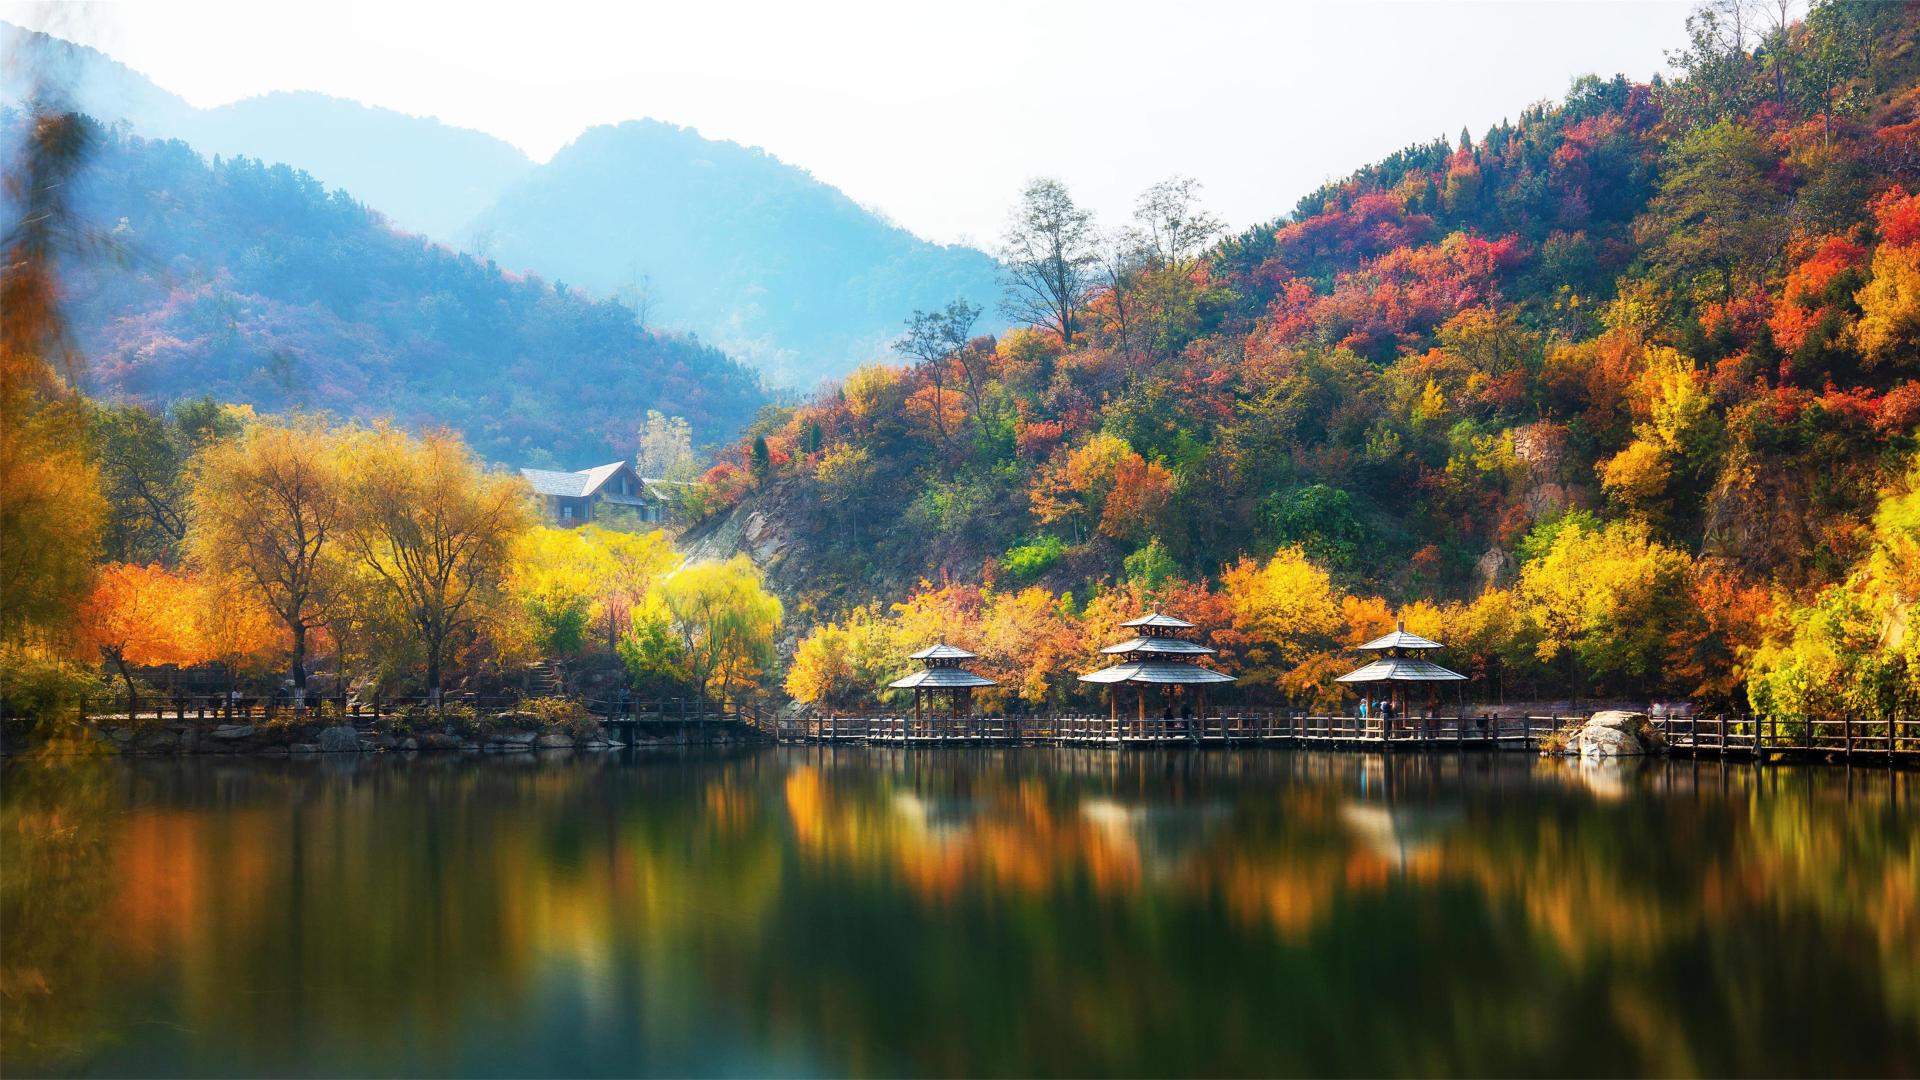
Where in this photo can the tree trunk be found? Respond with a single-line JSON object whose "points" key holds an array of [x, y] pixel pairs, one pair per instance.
{"points": [[299, 658], [133, 696]]}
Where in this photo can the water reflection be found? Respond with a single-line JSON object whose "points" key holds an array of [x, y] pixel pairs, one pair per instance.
{"points": [[1004, 912]]}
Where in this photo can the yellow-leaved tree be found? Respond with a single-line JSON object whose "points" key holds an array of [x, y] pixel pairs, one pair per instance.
{"points": [[1072, 489], [846, 663], [1889, 327], [234, 628], [586, 581], [438, 530], [1285, 622], [1606, 598], [709, 624], [266, 512], [1032, 644], [1853, 651]]}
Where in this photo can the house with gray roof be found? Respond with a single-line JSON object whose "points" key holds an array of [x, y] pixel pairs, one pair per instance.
{"points": [[575, 498]]}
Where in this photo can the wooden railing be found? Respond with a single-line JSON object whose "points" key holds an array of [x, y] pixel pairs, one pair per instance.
{"points": [[1744, 734], [1716, 734], [1221, 727]]}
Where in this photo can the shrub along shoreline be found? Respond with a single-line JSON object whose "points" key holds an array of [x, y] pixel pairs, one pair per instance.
{"points": [[458, 728]]}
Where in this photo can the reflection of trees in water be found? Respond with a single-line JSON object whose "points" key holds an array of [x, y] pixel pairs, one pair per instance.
{"points": [[1620, 879], [56, 882], [271, 906], [979, 911]]}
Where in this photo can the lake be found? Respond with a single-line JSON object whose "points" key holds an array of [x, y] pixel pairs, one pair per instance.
{"points": [[933, 912]]}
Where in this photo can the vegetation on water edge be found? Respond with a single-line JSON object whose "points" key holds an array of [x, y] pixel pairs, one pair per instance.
{"points": [[1620, 398]]}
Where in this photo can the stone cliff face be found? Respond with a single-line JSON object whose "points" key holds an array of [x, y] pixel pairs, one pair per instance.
{"points": [[757, 527], [831, 558]]}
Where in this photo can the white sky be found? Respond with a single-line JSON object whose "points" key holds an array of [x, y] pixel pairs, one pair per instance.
{"points": [[933, 113]]}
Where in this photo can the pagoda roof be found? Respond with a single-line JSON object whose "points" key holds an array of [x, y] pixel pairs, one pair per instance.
{"points": [[1155, 619], [1157, 672], [1170, 646], [940, 678], [1401, 669], [942, 651], [1400, 639]]}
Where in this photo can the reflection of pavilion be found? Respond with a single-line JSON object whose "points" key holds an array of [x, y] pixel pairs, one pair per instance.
{"points": [[1165, 836], [938, 818], [1396, 833]]}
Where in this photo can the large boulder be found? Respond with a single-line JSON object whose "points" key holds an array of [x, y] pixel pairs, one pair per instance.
{"points": [[339, 739], [227, 732], [1615, 733], [554, 740], [439, 740]]}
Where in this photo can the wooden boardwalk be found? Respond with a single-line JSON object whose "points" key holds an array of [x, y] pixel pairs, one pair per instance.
{"points": [[1891, 741], [1230, 729], [1716, 736]]}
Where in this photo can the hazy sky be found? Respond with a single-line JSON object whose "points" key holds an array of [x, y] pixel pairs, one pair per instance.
{"points": [[933, 113]]}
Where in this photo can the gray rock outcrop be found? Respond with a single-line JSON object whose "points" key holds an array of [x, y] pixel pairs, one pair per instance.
{"points": [[1616, 733]]}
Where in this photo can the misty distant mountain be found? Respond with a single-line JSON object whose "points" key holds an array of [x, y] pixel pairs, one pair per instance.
{"points": [[422, 175], [752, 254], [255, 284], [756, 255]]}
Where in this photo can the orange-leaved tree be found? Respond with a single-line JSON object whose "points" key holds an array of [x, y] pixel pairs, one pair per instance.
{"points": [[141, 616]]}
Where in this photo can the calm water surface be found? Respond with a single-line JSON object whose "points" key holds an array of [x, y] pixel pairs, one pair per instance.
{"points": [[957, 912]]}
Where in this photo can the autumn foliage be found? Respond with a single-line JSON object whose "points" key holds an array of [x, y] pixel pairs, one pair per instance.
{"points": [[1612, 395]]}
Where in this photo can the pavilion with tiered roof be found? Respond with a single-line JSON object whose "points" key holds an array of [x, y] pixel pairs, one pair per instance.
{"points": [[1158, 655], [1401, 667], [942, 673]]}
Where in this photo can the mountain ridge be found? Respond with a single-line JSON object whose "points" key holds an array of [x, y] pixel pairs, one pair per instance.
{"points": [[255, 284], [708, 236], [423, 174], [810, 284]]}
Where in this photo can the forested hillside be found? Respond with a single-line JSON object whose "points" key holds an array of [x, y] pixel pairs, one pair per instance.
{"points": [[254, 284], [752, 253], [1619, 395]]}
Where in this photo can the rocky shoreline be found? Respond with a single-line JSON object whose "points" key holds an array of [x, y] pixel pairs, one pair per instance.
{"points": [[505, 733]]}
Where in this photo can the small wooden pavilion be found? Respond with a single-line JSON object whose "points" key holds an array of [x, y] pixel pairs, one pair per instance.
{"points": [[1401, 666], [942, 672], [1158, 656]]}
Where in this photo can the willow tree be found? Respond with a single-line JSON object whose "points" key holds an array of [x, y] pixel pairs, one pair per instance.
{"points": [[711, 624], [575, 580], [266, 511], [436, 529]]}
